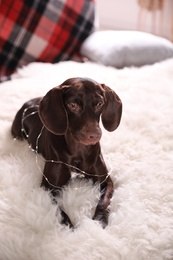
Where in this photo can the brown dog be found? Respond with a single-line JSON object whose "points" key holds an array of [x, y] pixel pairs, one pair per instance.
{"points": [[63, 127]]}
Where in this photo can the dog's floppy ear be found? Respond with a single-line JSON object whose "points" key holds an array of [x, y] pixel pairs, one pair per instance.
{"points": [[112, 111], [52, 111]]}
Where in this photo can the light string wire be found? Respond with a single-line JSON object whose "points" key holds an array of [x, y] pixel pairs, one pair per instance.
{"points": [[23, 130]]}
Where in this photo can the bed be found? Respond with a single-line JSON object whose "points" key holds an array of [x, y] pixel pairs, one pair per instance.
{"points": [[139, 155]]}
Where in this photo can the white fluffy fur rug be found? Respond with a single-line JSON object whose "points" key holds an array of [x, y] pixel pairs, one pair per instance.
{"points": [[139, 153]]}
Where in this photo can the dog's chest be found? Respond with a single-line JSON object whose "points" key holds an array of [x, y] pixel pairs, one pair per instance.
{"points": [[84, 159], [78, 163]]}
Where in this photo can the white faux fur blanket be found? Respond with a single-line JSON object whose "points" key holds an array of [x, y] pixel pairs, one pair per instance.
{"points": [[139, 154]]}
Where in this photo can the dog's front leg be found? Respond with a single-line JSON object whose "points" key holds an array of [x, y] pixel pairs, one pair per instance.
{"points": [[106, 188], [102, 209], [54, 177]]}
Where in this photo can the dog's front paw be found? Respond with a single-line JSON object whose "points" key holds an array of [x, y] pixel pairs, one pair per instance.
{"points": [[102, 216], [66, 220]]}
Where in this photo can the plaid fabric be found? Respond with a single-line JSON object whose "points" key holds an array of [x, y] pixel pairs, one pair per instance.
{"points": [[42, 30]]}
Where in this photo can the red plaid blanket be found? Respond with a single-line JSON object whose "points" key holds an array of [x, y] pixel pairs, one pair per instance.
{"points": [[42, 30]]}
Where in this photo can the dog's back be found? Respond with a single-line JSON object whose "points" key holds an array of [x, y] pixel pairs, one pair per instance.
{"points": [[25, 117]]}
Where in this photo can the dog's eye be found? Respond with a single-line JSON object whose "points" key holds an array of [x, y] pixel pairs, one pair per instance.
{"points": [[74, 107], [99, 105]]}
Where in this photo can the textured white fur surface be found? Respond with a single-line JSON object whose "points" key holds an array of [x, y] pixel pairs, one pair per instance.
{"points": [[139, 153]]}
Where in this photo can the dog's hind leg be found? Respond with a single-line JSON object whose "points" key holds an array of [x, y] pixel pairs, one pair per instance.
{"points": [[16, 128]]}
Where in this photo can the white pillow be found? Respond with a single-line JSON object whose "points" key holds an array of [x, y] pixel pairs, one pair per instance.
{"points": [[126, 48]]}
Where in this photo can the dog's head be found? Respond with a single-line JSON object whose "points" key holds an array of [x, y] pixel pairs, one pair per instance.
{"points": [[76, 105]]}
